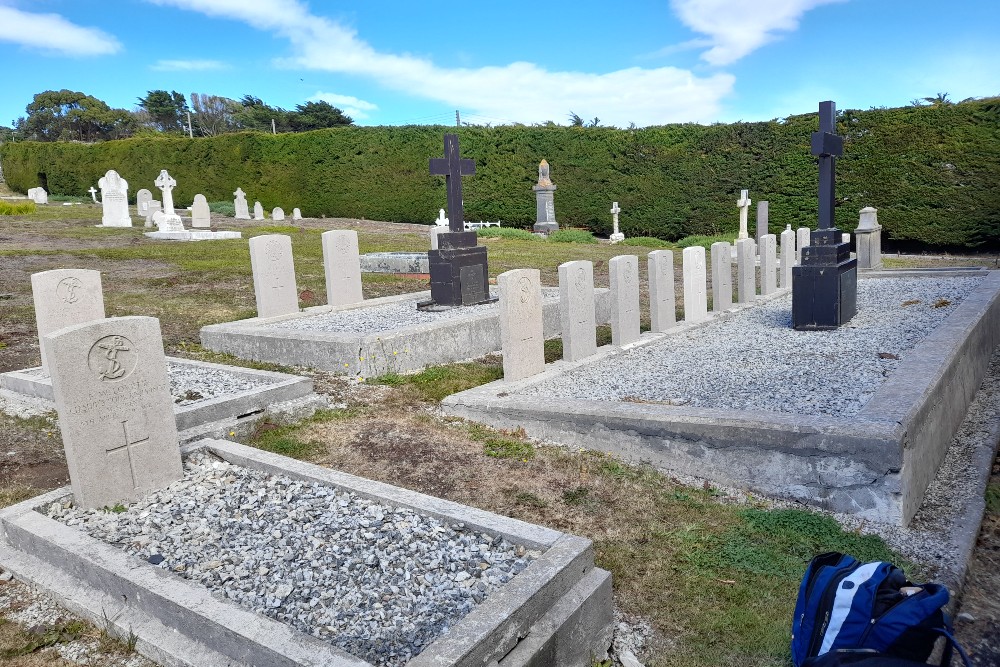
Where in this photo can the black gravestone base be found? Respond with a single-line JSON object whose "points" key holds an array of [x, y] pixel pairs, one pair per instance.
{"points": [[459, 273], [825, 286]]}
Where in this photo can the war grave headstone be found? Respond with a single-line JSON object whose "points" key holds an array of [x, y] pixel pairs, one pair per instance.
{"points": [[240, 204], [201, 216], [258, 211], [623, 272], [342, 267], [296, 214], [521, 328], [868, 239], [662, 300], [545, 207], [577, 310], [616, 236], [64, 297], [114, 199], [787, 257], [746, 271], [722, 277], [768, 264], [695, 276], [273, 275], [278, 214], [93, 194]]}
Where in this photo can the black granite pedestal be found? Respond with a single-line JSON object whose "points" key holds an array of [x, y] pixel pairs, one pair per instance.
{"points": [[825, 285], [459, 272]]}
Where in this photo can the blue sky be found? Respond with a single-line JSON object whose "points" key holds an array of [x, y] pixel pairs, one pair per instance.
{"points": [[390, 62]]}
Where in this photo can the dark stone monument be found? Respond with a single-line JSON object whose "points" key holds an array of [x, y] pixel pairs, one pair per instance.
{"points": [[459, 275], [825, 285]]}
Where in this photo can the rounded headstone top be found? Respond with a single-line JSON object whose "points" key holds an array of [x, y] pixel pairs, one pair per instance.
{"points": [[869, 218]]}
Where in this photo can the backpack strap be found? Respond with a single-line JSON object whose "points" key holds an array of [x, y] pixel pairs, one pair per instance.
{"points": [[951, 643]]}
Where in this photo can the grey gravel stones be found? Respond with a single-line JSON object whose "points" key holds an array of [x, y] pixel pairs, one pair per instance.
{"points": [[377, 581], [191, 384]]}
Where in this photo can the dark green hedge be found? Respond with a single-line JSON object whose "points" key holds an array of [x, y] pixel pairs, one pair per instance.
{"points": [[933, 172]]}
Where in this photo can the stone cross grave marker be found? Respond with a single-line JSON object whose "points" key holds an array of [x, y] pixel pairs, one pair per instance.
{"points": [[787, 257], [545, 206], [64, 297], [167, 220], [201, 216], [746, 271], [258, 211], [453, 166], [115, 410], [762, 210], [722, 277], [695, 298], [616, 236], [744, 204], [768, 264], [240, 204], [577, 309], [662, 300], [93, 193], [278, 213], [521, 332], [114, 200], [296, 214], [342, 265], [142, 199], [624, 277], [442, 219], [273, 275]]}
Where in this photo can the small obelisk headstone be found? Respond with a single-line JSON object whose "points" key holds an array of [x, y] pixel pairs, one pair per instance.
{"points": [[201, 216], [278, 213], [577, 309], [273, 275], [114, 200], [744, 204], [521, 332], [115, 410], [342, 266], [787, 258], [662, 300], [722, 276], [258, 211], [240, 204], [695, 275], [624, 281], [545, 207], [64, 297], [93, 193], [868, 239], [762, 207], [616, 235], [768, 264], [167, 220]]}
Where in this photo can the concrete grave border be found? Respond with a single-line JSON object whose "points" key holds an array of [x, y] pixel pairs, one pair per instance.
{"points": [[556, 612], [369, 355], [876, 464]]}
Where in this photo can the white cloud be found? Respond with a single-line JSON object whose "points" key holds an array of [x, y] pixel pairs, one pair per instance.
{"points": [[352, 106], [187, 65], [51, 32], [739, 27], [520, 91]]}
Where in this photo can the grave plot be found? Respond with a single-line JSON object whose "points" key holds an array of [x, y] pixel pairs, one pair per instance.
{"points": [[854, 420], [208, 398], [377, 336]]}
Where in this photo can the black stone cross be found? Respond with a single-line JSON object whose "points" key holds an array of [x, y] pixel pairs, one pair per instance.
{"points": [[453, 168], [827, 145]]}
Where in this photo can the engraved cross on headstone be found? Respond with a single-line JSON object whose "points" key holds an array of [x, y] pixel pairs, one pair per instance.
{"points": [[134, 433], [827, 145], [452, 166]]}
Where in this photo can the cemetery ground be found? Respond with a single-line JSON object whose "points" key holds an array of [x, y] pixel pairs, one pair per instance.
{"points": [[702, 576]]}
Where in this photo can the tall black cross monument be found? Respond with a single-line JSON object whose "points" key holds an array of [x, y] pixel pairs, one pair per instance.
{"points": [[825, 285], [459, 275]]}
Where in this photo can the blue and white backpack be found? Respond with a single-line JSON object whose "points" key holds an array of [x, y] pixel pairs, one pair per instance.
{"points": [[849, 613]]}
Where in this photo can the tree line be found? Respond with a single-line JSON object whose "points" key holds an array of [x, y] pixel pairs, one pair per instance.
{"points": [[68, 115]]}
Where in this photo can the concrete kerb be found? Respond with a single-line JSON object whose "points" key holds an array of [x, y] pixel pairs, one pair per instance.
{"points": [[395, 262], [560, 603], [403, 350]]}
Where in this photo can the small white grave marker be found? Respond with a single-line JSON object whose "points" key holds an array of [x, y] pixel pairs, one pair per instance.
{"points": [[240, 204], [746, 271], [787, 257], [93, 193], [258, 211], [167, 220], [744, 204], [616, 236], [768, 264], [201, 216], [278, 213]]}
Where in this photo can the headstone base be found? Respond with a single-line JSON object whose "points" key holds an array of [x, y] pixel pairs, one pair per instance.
{"points": [[459, 273], [825, 286], [545, 227], [869, 246], [193, 236], [168, 222], [617, 238]]}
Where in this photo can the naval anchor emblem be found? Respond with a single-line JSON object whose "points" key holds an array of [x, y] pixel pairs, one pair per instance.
{"points": [[112, 358], [68, 289]]}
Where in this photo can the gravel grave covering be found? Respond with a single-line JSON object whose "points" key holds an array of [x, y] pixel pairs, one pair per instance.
{"points": [[379, 582], [394, 316], [190, 384], [754, 360]]}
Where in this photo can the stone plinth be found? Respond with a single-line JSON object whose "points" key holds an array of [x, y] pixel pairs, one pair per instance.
{"points": [[825, 286], [868, 239], [545, 207], [459, 270]]}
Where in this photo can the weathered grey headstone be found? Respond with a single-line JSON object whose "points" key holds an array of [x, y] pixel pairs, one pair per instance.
{"points": [[142, 199], [545, 207], [744, 205], [722, 277], [746, 271], [273, 275], [521, 335], [258, 211], [695, 275], [802, 240], [787, 257], [240, 204], [616, 235], [296, 214], [201, 216], [167, 220], [868, 238], [115, 410], [65, 297], [278, 213], [342, 265], [762, 207], [624, 278], [768, 264], [576, 309], [662, 300], [114, 200]]}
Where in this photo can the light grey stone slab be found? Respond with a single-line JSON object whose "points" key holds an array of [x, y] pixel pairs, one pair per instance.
{"points": [[768, 264], [577, 309], [695, 277], [201, 217], [662, 299], [521, 328], [342, 266], [278, 213], [240, 204], [395, 262], [114, 200], [192, 235], [787, 258], [273, 275], [762, 210], [109, 379], [624, 277], [65, 297], [746, 271], [722, 277], [258, 211], [142, 199], [802, 238]]}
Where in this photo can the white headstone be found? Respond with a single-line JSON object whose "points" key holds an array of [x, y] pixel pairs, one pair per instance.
{"points": [[201, 217], [278, 213], [442, 219], [576, 309], [746, 271], [93, 193], [115, 410], [342, 265], [521, 332], [768, 264], [296, 214], [744, 204], [114, 199], [802, 240], [435, 230], [142, 199], [258, 211], [695, 275], [624, 278], [167, 219], [240, 204], [787, 258], [845, 238], [722, 277], [38, 195], [616, 236], [662, 299], [65, 297], [273, 275]]}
